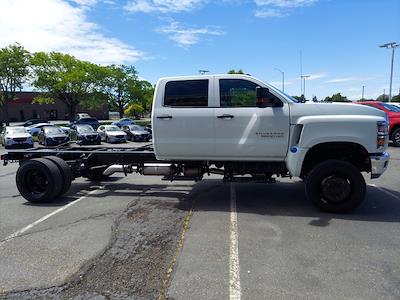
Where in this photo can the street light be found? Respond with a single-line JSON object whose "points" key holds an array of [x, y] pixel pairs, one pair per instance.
{"points": [[283, 78], [392, 46], [304, 77], [202, 72], [363, 87]]}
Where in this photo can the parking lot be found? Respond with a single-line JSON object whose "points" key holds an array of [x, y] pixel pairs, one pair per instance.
{"points": [[139, 237]]}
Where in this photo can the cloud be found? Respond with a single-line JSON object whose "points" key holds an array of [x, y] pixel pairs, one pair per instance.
{"points": [[339, 80], [285, 3], [314, 76], [270, 12], [59, 25], [279, 8], [162, 6], [185, 36]]}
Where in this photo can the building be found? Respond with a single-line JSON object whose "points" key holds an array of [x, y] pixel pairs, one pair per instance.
{"points": [[22, 108]]}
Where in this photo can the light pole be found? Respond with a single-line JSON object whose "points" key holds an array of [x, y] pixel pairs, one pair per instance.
{"points": [[304, 77], [283, 78], [363, 88], [392, 46]]}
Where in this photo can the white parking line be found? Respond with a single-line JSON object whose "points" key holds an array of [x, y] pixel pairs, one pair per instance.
{"points": [[234, 269], [385, 191], [22, 230]]}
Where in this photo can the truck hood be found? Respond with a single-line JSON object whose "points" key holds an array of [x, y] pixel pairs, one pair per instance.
{"points": [[299, 110]]}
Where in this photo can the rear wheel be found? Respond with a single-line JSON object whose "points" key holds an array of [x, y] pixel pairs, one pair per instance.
{"points": [[39, 180], [395, 137], [335, 186], [65, 171]]}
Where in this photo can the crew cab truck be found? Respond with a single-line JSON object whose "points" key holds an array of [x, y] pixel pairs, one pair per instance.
{"points": [[236, 126]]}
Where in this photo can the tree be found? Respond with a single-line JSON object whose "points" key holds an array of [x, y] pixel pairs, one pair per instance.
{"points": [[14, 71], [314, 99], [142, 93], [233, 71], [396, 98], [72, 81], [336, 98], [120, 81], [383, 98], [134, 110]]}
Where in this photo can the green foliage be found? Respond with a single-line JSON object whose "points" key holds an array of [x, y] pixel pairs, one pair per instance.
{"points": [[396, 98], [43, 100], [134, 110], [14, 72], [68, 79], [337, 98], [233, 71]]}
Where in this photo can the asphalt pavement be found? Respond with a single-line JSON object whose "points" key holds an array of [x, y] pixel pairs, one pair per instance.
{"points": [[138, 237]]}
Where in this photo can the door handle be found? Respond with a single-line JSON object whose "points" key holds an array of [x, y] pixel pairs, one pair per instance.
{"points": [[164, 117], [225, 116]]}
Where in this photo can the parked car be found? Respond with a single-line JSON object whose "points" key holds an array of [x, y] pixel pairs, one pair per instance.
{"points": [[52, 136], [123, 122], [148, 128], [397, 104], [393, 113], [136, 133], [36, 128], [85, 135], [79, 116], [87, 121], [34, 121], [112, 134], [16, 137]]}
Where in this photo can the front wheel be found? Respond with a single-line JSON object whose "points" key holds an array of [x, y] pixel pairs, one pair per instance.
{"points": [[335, 186], [395, 137]]}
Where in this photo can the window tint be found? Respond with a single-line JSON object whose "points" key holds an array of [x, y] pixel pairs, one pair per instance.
{"points": [[238, 93], [186, 93]]}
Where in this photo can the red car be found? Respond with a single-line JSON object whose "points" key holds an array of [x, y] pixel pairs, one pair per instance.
{"points": [[393, 113]]}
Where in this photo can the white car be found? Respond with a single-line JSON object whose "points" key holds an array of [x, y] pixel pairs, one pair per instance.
{"points": [[16, 137], [112, 134], [36, 128]]}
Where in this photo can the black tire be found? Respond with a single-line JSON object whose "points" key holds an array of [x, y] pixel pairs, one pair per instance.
{"points": [[65, 170], [395, 137], [335, 186], [39, 180]]}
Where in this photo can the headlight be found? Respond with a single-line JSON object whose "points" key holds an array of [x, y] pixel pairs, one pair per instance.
{"points": [[382, 133]]}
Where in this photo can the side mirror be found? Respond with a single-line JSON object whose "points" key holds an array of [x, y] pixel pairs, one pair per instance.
{"points": [[266, 99]]}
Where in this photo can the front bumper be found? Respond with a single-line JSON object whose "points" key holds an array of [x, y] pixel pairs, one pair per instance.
{"points": [[379, 164]]}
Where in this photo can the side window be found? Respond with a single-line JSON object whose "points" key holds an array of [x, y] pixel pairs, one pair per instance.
{"points": [[186, 93], [239, 93]]}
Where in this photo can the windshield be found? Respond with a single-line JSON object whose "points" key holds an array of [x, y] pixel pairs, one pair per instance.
{"points": [[16, 130], [136, 128], [112, 128], [391, 107], [53, 130], [84, 129]]}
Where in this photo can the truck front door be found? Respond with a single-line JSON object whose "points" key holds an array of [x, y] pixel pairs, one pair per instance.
{"points": [[244, 131]]}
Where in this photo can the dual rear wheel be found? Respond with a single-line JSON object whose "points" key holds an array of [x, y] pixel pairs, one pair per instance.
{"points": [[41, 180]]}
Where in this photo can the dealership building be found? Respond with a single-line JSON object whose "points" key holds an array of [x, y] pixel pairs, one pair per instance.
{"points": [[23, 108]]}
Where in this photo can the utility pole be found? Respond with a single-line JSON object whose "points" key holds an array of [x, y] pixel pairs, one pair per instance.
{"points": [[304, 77], [283, 78], [301, 72], [392, 46], [363, 88]]}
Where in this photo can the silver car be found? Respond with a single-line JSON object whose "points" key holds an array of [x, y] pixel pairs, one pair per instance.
{"points": [[16, 137], [112, 134]]}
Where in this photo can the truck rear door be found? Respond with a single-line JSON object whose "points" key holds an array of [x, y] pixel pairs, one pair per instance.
{"points": [[183, 122], [244, 131]]}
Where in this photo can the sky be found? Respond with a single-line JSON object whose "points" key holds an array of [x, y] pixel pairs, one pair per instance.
{"points": [[335, 41]]}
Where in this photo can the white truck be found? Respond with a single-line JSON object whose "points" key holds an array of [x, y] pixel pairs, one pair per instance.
{"points": [[235, 126]]}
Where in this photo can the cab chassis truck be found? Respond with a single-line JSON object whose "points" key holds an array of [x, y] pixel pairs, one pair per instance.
{"points": [[232, 125]]}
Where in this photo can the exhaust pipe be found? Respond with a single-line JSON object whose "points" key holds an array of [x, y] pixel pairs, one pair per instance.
{"points": [[157, 169], [119, 168]]}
